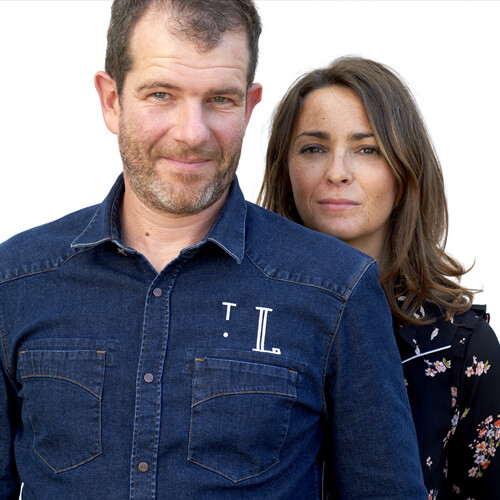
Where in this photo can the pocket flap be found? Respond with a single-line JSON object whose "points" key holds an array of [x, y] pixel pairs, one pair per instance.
{"points": [[84, 368], [217, 377]]}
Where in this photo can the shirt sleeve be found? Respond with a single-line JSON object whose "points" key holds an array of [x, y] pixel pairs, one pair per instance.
{"points": [[372, 450], [9, 417], [473, 448]]}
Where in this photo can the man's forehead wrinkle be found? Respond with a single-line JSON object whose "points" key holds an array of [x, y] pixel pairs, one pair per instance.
{"points": [[169, 62]]}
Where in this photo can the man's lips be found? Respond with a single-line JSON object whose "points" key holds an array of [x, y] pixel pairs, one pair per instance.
{"points": [[187, 163], [338, 203]]}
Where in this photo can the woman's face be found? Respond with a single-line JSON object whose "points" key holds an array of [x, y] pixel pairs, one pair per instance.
{"points": [[341, 184]]}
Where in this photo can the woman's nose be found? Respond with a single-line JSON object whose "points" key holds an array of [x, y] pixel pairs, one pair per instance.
{"points": [[339, 169]]}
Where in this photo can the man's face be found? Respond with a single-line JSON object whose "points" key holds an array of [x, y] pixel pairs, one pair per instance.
{"points": [[182, 117]]}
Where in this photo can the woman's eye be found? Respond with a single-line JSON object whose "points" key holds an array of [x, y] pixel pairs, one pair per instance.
{"points": [[369, 150], [312, 149]]}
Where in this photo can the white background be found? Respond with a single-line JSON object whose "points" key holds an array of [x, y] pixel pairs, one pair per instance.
{"points": [[56, 155]]}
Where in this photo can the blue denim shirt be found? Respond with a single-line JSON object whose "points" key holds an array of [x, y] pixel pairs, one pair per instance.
{"points": [[228, 375]]}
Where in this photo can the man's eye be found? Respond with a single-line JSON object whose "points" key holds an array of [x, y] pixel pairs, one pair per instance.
{"points": [[159, 95], [221, 100]]}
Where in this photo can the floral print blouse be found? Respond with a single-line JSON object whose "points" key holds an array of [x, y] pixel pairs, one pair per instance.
{"points": [[452, 374]]}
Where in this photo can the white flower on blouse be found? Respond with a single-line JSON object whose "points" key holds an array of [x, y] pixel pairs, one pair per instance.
{"points": [[478, 367]]}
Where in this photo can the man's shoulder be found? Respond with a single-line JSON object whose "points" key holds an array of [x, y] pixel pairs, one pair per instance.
{"points": [[288, 251], [42, 247]]}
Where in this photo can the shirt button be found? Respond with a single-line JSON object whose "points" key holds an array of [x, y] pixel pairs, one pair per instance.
{"points": [[148, 377], [157, 292], [143, 467]]}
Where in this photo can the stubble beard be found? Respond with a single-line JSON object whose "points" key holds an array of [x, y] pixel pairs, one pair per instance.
{"points": [[175, 193]]}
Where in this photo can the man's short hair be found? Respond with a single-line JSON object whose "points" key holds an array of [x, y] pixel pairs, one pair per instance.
{"points": [[202, 22]]}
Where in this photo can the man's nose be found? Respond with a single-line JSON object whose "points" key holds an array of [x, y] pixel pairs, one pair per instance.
{"points": [[191, 125]]}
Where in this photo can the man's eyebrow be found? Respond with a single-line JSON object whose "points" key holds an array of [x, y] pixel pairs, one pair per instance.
{"points": [[151, 84], [234, 91], [161, 84]]}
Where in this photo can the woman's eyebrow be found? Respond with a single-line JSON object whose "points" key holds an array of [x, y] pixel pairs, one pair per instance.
{"points": [[314, 133], [359, 136]]}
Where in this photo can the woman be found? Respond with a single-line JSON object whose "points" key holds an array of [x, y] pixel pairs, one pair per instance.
{"points": [[349, 155]]}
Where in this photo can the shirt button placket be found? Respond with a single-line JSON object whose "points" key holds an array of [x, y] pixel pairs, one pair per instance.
{"points": [[148, 396]]}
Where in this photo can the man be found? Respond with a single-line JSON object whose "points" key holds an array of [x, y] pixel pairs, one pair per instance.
{"points": [[176, 342]]}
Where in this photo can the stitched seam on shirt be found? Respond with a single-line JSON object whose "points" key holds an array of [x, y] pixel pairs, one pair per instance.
{"points": [[292, 402], [4, 352], [191, 417], [250, 391], [230, 478], [357, 276], [333, 332], [71, 466], [224, 247], [86, 227], [43, 375], [257, 473], [50, 269], [115, 208], [103, 365], [165, 318], [158, 382], [140, 401], [275, 278], [100, 435]]}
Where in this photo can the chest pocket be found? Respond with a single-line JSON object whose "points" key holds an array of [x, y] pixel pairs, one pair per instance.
{"points": [[62, 392], [240, 414]]}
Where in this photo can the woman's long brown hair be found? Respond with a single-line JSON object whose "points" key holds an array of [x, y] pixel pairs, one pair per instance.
{"points": [[414, 264]]}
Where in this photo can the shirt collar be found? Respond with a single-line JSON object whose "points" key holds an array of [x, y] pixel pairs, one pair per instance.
{"points": [[104, 224], [228, 231]]}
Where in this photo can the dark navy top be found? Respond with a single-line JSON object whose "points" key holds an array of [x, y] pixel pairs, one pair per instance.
{"points": [[452, 373]]}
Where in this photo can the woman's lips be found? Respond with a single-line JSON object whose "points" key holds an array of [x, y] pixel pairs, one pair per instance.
{"points": [[338, 203]]}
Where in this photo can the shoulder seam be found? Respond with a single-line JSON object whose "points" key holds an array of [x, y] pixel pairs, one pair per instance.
{"points": [[49, 269], [358, 275], [348, 290], [367, 263]]}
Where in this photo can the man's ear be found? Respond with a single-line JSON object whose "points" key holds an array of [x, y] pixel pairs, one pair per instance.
{"points": [[254, 95], [110, 101]]}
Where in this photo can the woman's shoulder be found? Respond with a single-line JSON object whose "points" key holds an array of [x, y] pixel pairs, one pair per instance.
{"points": [[416, 339], [474, 329], [482, 340], [440, 333], [476, 317]]}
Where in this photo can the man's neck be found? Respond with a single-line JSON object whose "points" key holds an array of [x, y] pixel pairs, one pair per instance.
{"points": [[161, 236]]}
